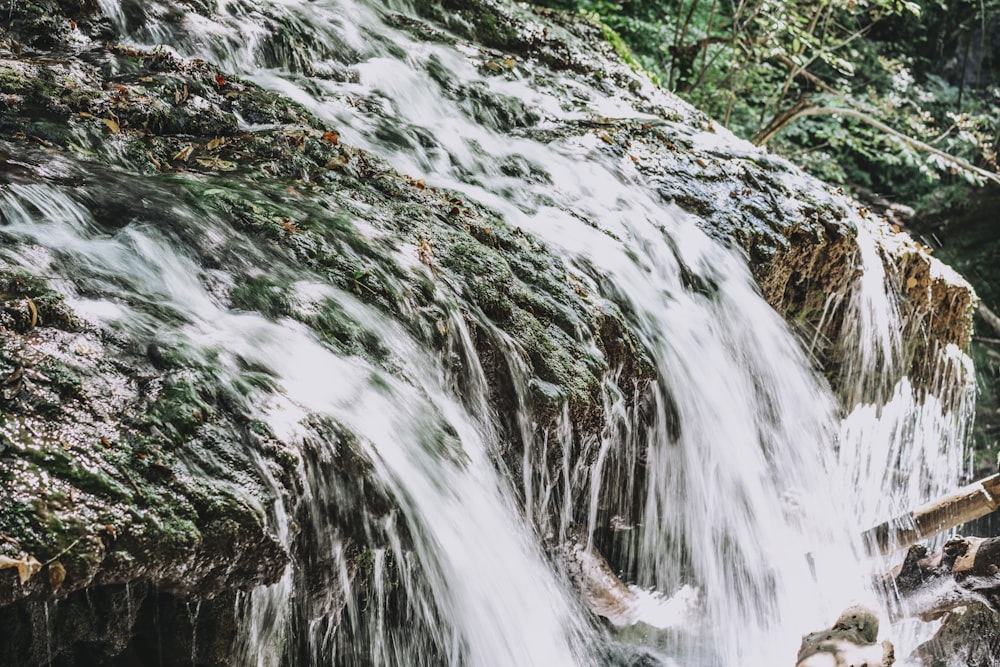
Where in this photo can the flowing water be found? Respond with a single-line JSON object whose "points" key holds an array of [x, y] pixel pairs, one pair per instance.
{"points": [[728, 493]]}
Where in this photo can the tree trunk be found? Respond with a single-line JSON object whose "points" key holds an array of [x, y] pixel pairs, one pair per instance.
{"points": [[967, 504]]}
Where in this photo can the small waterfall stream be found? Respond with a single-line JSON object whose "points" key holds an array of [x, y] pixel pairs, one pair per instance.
{"points": [[729, 492]]}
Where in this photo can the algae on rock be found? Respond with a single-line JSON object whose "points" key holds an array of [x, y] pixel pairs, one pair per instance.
{"points": [[139, 461]]}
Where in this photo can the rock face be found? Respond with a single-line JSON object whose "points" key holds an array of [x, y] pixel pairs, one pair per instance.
{"points": [[132, 468], [968, 636], [849, 642]]}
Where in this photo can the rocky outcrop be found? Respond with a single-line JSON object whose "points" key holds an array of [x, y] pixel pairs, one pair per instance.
{"points": [[799, 235], [849, 642], [130, 460], [969, 635], [124, 460]]}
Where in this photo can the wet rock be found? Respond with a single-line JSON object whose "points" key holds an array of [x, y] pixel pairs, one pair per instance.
{"points": [[124, 460], [600, 589], [969, 635], [132, 461], [800, 236], [850, 642]]}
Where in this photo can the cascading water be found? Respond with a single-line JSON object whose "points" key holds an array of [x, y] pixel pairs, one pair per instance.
{"points": [[729, 474]]}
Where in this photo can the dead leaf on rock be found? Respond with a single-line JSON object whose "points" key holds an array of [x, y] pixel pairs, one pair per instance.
{"points": [[27, 566], [215, 143], [425, 251], [184, 153], [112, 125], [57, 575], [216, 163], [34, 312]]}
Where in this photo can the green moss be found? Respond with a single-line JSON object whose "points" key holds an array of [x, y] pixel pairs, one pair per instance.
{"points": [[489, 278], [495, 31], [66, 382], [180, 409], [265, 295], [85, 470], [171, 537], [50, 307], [14, 79], [345, 334], [364, 583], [620, 47]]}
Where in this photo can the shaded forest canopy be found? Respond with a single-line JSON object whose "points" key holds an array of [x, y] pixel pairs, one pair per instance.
{"points": [[917, 82]]}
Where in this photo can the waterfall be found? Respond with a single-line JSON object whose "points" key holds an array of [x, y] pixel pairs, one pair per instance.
{"points": [[727, 489]]}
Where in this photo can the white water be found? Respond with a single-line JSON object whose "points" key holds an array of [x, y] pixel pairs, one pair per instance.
{"points": [[476, 553], [753, 488]]}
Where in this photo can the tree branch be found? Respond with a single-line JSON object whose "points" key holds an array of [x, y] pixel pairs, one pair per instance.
{"points": [[990, 318], [779, 122], [800, 110], [806, 74]]}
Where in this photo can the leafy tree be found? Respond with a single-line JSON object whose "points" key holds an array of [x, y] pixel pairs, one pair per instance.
{"points": [[889, 95]]}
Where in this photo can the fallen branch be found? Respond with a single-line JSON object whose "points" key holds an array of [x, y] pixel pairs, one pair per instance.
{"points": [[967, 504]]}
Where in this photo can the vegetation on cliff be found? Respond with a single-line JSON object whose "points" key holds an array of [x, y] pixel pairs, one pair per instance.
{"points": [[884, 96], [132, 458]]}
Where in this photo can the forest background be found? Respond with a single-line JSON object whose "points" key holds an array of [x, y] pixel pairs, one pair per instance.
{"points": [[897, 102]]}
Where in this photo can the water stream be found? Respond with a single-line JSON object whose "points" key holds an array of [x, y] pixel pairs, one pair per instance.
{"points": [[729, 492]]}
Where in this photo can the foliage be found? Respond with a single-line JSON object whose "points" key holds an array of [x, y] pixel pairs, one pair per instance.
{"points": [[917, 77]]}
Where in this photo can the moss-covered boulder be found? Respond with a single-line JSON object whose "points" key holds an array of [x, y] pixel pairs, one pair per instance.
{"points": [[135, 467]]}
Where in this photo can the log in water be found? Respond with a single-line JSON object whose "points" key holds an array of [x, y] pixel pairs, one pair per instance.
{"points": [[962, 506]]}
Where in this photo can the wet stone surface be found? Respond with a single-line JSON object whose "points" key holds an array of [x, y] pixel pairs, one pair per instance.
{"points": [[127, 458]]}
